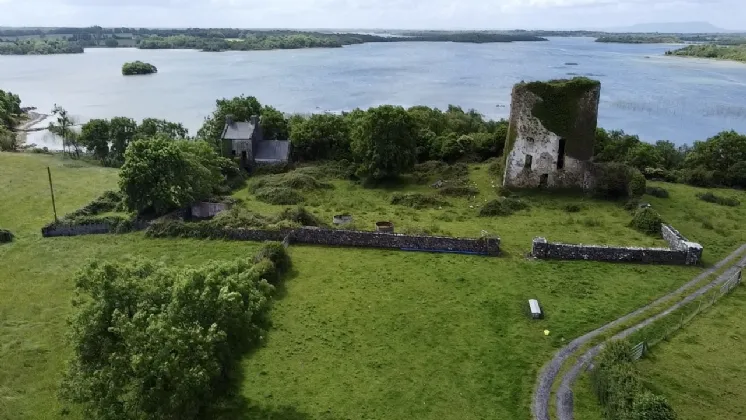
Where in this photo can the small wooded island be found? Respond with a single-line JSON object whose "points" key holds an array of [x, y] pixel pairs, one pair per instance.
{"points": [[137, 68]]}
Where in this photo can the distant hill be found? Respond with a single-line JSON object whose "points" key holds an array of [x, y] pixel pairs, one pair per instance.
{"points": [[674, 27]]}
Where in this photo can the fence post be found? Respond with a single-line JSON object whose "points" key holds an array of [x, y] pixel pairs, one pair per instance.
{"points": [[51, 190]]}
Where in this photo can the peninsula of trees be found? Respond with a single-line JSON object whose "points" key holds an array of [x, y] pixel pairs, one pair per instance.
{"points": [[39, 47], [138, 67], [720, 52]]}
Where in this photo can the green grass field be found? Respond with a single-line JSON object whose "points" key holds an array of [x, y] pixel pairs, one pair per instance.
{"points": [[358, 333]]}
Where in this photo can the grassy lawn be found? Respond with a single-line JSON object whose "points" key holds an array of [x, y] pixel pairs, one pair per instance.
{"points": [[358, 333]]}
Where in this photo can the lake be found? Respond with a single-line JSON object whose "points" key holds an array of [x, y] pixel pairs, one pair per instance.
{"points": [[643, 92]]}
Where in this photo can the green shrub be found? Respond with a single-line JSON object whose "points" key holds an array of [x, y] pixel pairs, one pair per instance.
{"points": [[300, 216], [496, 168], [417, 200], [657, 192], [699, 177], [458, 191], [504, 206], [435, 169], [658, 174], [571, 208], [276, 195], [6, 236], [612, 180], [632, 204], [272, 169], [647, 221], [295, 180], [637, 184], [106, 202], [723, 201], [648, 406]]}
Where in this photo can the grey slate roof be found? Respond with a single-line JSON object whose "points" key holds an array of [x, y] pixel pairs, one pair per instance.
{"points": [[238, 131], [272, 151]]}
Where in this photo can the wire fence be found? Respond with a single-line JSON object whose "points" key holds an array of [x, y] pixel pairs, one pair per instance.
{"points": [[664, 328]]}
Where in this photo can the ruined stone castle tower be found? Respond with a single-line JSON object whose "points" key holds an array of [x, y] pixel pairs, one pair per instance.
{"points": [[551, 134]]}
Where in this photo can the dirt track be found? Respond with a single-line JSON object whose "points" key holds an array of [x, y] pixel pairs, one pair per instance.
{"points": [[550, 372]]}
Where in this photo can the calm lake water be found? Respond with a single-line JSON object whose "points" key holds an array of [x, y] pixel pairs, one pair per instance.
{"points": [[643, 92]]}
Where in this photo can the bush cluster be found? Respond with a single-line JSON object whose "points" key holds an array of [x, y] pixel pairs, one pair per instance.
{"points": [[278, 195], [417, 200], [143, 330], [647, 221], [138, 67], [723, 201], [235, 218], [614, 180], [6, 236], [434, 170], [621, 391], [284, 188], [504, 206], [657, 192], [108, 201]]}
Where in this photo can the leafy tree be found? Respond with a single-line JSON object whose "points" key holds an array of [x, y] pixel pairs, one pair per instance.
{"points": [[718, 153], [8, 140], [153, 342], [63, 128], [614, 146], [320, 137], [671, 156], [274, 124], [162, 174], [10, 109], [644, 155], [384, 142], [240, 108], [122, 132], [152, 127], [111, 43], [94, 136]]}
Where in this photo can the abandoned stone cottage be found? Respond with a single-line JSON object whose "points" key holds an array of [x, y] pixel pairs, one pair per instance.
{"points": [[551, 134], [245, 141]]}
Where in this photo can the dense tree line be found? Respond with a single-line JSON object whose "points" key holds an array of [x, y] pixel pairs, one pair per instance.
{"points": [[107, 140], [717, 161], [39, 47], [722, 52], [249, 43], [371, 137], [638, 39]]}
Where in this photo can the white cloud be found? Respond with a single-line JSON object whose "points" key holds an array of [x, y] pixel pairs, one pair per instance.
{"points": [[368, 13]]}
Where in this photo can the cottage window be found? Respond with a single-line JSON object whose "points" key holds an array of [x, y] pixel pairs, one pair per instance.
{"points": [[561, 154], [528, 162]]}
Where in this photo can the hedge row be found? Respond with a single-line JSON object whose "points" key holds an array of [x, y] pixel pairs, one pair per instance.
{"points": [[620, 390]]}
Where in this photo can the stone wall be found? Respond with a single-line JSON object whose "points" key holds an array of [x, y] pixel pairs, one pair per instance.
{"points": [[678, 242], [318, 236], [682, 252], [349, 238], [205, 210], [71, 229]]}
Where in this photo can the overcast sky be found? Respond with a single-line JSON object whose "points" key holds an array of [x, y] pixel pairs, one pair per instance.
{"points": [[405, 14]]}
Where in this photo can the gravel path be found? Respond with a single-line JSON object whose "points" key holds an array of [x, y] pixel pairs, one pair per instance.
{"points": [[548, 375]]}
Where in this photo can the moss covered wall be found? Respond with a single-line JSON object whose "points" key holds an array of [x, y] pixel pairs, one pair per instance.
{"points": [[569, 108]]}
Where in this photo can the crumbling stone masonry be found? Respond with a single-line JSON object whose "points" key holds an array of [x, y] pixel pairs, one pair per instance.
{"points": [[551, 134], [682, 252]]}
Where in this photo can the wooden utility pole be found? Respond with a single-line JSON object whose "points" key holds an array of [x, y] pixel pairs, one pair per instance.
{"points": [[51, 189]]}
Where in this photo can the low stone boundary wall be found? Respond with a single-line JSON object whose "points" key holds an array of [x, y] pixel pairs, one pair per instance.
{"points": [[350, 238], [318, 236], [682, 252], [71, 229]]}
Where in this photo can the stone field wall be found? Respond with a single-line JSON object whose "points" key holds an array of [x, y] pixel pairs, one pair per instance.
{"points": [[682, 252]]}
